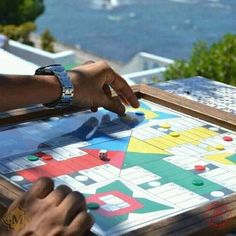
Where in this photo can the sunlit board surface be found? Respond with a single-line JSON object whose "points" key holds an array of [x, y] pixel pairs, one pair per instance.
{"points": [[153, 168]]}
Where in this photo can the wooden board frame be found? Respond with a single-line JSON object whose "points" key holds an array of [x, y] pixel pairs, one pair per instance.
{"points": [[194, 222]]}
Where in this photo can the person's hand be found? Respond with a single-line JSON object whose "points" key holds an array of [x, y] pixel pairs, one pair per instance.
{"points": [[92, 83], [45, 211]]}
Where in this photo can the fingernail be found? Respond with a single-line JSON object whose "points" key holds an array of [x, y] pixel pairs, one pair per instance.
{"points": [[136, 105]]}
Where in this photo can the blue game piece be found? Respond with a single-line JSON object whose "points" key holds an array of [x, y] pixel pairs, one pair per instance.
{"points": [[139, 113]]}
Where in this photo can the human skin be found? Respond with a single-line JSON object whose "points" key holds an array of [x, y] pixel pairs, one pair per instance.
{"points": [[92, 83], [61, 212]]}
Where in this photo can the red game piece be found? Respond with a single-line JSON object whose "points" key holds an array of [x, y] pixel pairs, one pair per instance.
{"points": [[199, 167], [46, 157], [39, 154], [228, 138]]}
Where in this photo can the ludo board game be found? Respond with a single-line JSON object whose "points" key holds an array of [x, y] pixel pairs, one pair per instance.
{"points": [[158, 164]]}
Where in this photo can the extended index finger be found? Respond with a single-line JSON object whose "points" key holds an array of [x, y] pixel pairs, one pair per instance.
{"points": [[122, 88]]}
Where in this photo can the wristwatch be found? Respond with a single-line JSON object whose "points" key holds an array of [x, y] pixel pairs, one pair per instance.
{"points": [[67, 89]]}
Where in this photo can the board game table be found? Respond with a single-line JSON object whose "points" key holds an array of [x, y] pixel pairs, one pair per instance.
{"points": [[169, 169]]}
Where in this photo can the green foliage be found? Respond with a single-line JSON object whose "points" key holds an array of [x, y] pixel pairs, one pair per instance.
{"points": [[217, 61], [18, 12], [47, 41], [19, 33]]}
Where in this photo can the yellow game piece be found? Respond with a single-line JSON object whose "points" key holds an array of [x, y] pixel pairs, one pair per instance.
{"points": [[174, 134], [219, 147], [165, 126]]}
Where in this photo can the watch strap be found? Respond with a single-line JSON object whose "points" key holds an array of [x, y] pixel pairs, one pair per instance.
{"points": [[67, 89]]}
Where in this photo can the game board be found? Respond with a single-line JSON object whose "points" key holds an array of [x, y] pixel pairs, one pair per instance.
{"points": [[161, 164], [212, 93]]}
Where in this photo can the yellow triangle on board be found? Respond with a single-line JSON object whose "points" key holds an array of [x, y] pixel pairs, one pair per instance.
{"points": [[136, 145], [221, 158]]}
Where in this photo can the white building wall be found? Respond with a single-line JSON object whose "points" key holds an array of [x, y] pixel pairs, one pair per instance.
{"points": [[38, 56]]}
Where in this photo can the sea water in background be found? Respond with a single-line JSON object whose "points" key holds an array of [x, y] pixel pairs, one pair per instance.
{"points": [[118, 29]]}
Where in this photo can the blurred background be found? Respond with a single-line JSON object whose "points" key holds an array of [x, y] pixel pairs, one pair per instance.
{"points": [[119, 29], [147, 41]]}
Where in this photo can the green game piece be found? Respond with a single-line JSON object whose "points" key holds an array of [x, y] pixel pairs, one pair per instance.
{"points": [[197, 182], [93, 205], [32, 158]]}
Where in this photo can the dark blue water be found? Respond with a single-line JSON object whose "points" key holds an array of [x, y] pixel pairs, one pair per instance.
{"points": [[168, 28]]}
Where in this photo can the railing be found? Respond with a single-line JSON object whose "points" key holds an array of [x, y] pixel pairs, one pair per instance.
{"points": [[145, 77], [145, 68], [151, 60], [145, 61]]}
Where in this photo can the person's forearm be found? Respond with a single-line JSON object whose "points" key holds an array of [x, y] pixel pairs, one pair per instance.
{"points": [[19, 91]]}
